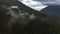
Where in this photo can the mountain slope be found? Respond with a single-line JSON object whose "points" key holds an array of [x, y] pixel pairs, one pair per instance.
{"points": [[22, 7], [24, 20]]}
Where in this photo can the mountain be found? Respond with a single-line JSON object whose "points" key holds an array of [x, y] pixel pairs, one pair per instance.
{"points": [[17, 18], [54, 10], [21, 6]]}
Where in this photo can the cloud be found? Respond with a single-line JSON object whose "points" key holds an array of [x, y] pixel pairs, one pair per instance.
{"points": [[34, 4]]}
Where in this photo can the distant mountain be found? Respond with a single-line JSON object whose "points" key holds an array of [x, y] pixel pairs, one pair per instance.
{"points": [[54, 10]]}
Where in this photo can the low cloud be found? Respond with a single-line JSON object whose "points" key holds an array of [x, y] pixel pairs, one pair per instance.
{"points": [[34, 4]]}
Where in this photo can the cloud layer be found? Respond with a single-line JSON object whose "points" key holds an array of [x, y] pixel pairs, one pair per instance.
{"points": [[34, 4]]}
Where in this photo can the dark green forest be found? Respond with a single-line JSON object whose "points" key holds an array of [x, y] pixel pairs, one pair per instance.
{"points": [[43, 23]]}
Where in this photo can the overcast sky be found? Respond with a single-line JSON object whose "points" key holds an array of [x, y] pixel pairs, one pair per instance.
{"points": [[40, 4]]}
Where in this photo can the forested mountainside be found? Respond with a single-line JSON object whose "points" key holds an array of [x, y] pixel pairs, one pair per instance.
{"points": [[16, 18]]}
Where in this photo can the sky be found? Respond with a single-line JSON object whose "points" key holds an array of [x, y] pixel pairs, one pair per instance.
{"points": [[40, 4]]}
